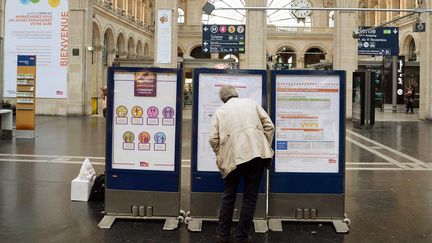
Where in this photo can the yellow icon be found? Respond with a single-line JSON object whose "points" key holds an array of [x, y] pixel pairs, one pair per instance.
{"points": [[231, 29], [121, 111], [54, 3], [128, 137], [137, 111]]}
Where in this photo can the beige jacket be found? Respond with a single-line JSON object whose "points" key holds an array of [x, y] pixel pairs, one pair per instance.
{"points": [[241, 130]]}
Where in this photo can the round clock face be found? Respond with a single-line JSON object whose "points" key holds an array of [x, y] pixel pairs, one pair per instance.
{"points": [[301, 14]]}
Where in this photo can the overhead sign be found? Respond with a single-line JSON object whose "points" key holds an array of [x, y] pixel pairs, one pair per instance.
{"points": [[381, 41], [419, 27], [223, 38]]}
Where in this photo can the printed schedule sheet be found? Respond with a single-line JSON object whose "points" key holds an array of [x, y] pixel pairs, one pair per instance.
{"points": [[307, 124]]}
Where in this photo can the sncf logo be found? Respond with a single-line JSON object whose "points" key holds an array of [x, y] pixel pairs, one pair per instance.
{"points": [[332, 161], [144, 164]]}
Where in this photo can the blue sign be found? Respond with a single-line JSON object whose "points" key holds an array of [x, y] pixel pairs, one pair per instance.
{"points": [[281, 145], [24, 60], [381, 41], [223, 38]]}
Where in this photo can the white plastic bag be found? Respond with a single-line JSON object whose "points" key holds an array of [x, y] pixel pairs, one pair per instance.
{"points": [[87, 172]]}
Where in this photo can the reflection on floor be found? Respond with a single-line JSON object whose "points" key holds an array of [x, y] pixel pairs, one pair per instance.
{"points": [[388, 187]]}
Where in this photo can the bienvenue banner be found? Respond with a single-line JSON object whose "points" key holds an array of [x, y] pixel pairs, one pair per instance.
{"points": [[37, 27]]}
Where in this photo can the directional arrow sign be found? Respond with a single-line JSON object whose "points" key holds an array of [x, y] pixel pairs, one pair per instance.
{"points": [[381, 41], [223, 38]]}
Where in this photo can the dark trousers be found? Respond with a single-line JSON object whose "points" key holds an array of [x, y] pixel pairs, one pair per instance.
{"points": [[409, 106], [251, 172]]}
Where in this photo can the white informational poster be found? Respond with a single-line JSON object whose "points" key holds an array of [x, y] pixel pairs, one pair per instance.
{"points": [[307, 124], [247, 85], [40, 28], [144, 115], [164, 35]]}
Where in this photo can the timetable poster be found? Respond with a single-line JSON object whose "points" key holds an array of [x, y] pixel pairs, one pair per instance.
{"points": [[144, 115], [247, 86], [307, 124]]}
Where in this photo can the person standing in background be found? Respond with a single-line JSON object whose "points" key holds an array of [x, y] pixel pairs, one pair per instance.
{"points": [[103, 95], [409, 96]]}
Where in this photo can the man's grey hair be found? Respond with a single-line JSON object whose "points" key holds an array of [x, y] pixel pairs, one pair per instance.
{"points": [[227, 92]]}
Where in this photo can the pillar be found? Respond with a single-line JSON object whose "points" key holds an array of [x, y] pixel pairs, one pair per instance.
{"points": [[171, 5], [345, 47], [114, 4], [425, 110], [79, 73], [256, 37], [319, 18], [193, 11]]}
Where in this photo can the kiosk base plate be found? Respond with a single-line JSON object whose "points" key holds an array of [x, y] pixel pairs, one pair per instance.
{"points": [[195, 224], [340, 225], [260, 226], [171, 223]]}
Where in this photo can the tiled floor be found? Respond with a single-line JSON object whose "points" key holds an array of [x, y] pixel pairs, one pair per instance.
{"points": [[388, 187]]}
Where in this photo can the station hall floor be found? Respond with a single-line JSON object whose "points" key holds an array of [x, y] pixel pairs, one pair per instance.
{"points": [[388, 187]]}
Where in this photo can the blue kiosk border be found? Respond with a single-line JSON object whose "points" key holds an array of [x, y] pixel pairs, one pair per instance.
{"points": [[165, 181], [212, 181], [207, 187], [316, 197], [140, 194], [311, 182]]}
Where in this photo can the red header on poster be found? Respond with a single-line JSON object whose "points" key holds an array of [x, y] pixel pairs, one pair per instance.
{"points": [[145, 84]]}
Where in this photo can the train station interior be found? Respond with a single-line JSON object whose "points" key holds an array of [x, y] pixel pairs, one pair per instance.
{"points": [[63, 67]]}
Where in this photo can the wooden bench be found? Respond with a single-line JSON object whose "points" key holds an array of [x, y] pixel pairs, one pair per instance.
{"points": [[6, 122]]}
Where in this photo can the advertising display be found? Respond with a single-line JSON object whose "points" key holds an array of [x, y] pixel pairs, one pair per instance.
{"points": [[307, 124], [247, 85], [38, 28], [164, 35], [144, 121]]}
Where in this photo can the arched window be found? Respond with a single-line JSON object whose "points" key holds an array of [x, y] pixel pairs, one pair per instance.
{"points": [[412, 55], [131, 48], [181, 16], [105, 49], [198, 54], [313, 55], [146, 50], [117, 49], [285, 58], [179, 52]]}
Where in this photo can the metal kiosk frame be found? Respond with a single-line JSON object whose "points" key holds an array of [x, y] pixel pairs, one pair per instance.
{"points": [[207, 186], [143, 194], [309, 197]]}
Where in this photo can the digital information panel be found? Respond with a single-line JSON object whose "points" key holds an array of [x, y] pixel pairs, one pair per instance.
{"points": [[307, 124], [144, 121], [247, 85]]}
